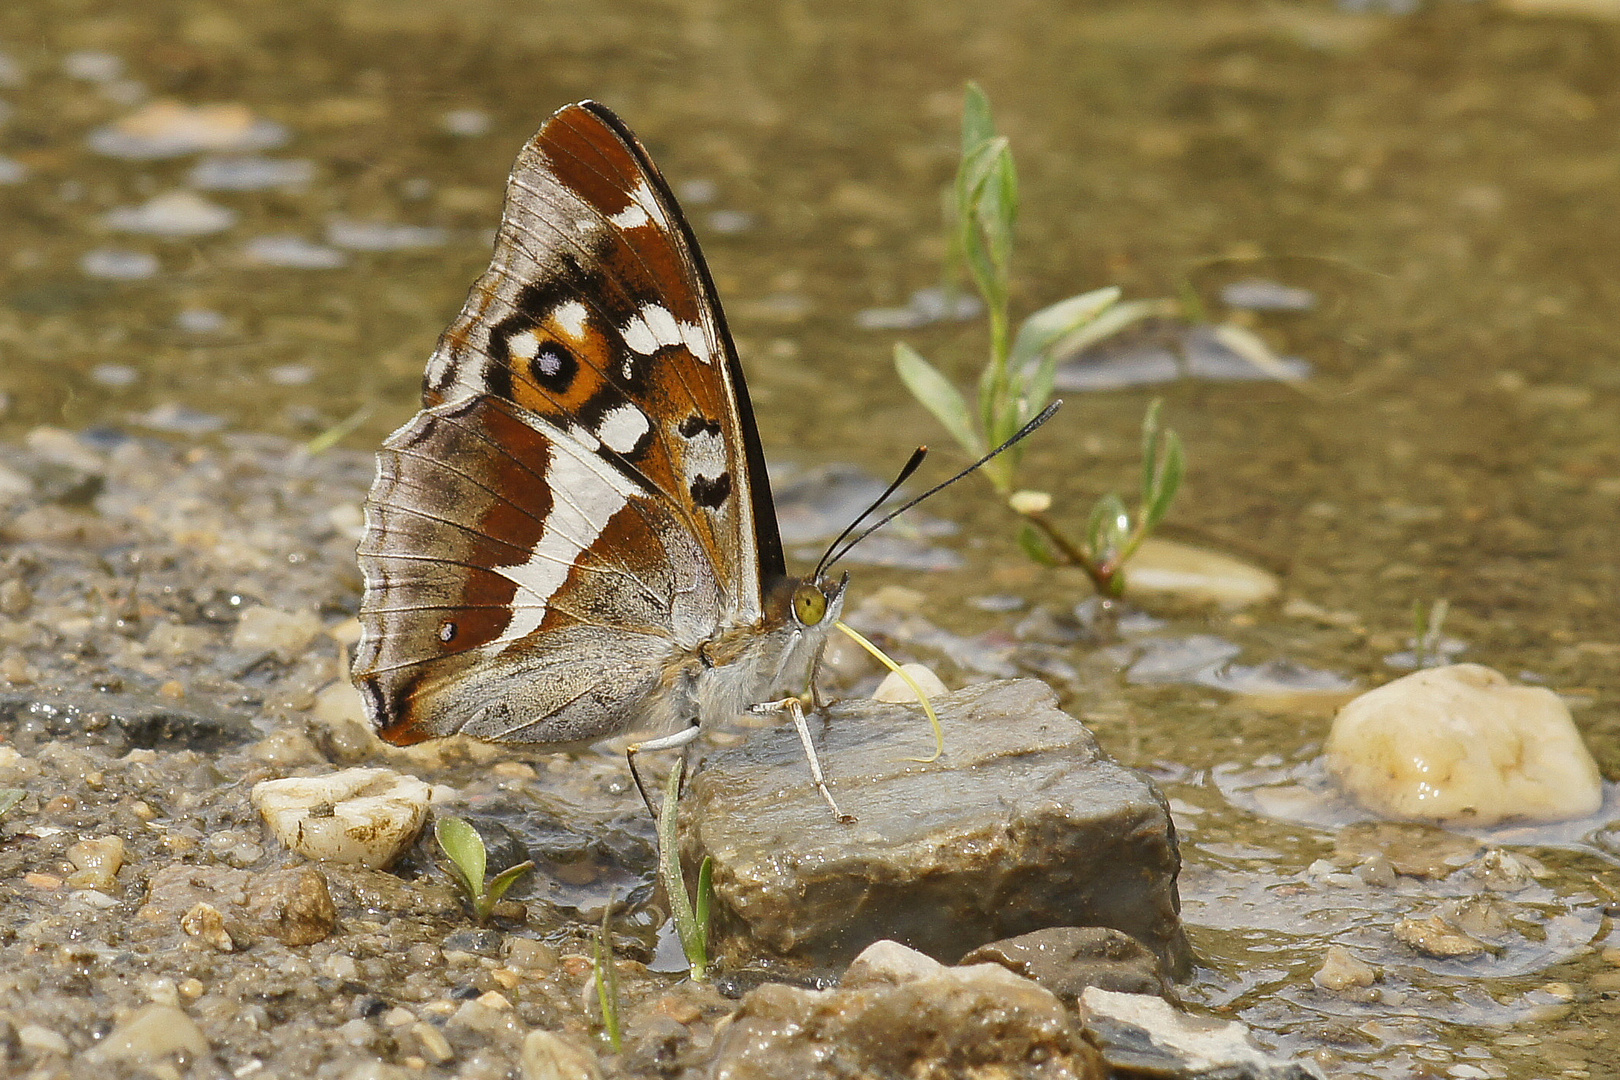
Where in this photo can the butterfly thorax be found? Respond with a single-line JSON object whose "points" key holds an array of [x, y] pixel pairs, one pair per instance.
{"points": [[741, 666]]}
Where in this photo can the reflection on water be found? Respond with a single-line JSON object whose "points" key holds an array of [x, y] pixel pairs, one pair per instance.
{"points": [[1442, 185]]}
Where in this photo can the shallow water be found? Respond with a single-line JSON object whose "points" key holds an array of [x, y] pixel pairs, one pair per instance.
{"points": [[1445, 183]]}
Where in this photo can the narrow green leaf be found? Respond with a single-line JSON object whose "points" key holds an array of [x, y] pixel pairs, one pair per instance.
{"points": [[1166, 483], [607, 979], [938, 395], [10, 797], [505, 880], [1052, 322], [465, 848], [705, 897], [1033, 360], [976, 174], [1034, 545], [1107, 528], [977, 124], [692, 941], [1150, 449], [1108, 323]]}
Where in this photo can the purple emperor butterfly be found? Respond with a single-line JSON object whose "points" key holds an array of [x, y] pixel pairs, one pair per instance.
{"points": [[575, 537]]}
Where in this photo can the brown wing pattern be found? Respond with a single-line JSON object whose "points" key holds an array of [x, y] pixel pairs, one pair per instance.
{"points": [[575, 502]]}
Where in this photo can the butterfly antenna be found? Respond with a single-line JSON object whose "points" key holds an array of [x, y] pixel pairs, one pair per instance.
{"points": [[1022, 433], [910, 467]]}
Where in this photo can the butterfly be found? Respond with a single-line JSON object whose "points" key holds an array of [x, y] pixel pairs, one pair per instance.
{"points": [[575, 537]]}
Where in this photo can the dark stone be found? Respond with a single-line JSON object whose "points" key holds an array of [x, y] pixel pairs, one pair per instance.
{"points": [[1022, 825], [1067, 959], [293, 906], [477, 942]]}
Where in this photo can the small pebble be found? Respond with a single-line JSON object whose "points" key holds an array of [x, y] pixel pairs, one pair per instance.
{"points": [[41, 1040], [251, 174], [166, 128], [549, 1056], [1342, 971], [114, 265], [292, 252], [896, 690], [467, 123], [98, 862], [383, 236], [206, 923], [153, 1033], [287, 634], [175, 214]]}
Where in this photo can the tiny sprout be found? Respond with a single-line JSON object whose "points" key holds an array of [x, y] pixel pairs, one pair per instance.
{"points": [[607, 979], [691, 917], [464, 848]]}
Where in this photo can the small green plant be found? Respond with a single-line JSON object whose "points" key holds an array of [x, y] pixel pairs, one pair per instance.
{"points": [[607, 979], [691, 916], [1427, 624], [1017, 381], [464, 848]]}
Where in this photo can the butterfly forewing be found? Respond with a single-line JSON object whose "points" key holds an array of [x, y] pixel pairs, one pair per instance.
{"points": [[583, 490]]}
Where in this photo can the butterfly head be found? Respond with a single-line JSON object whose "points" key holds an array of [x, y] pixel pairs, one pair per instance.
{"points": [[818, 601]]}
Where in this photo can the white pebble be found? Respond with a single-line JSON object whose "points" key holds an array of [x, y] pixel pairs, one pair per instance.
{"points": [[173, 214], [549, 1056], [154, 1032], [292, 252], [382, 236], [467, 123], [365, 816], [895, 690], [1462, 744], [251, 174], [41, 1040], [115, 265], [164, 129], [288, 634]]}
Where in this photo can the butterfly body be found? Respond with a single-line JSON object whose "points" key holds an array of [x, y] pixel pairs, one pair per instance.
{"points": [[575, 537]]}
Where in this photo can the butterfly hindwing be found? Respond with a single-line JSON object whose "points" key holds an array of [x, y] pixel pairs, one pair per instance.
{"points": [[583, 491]]}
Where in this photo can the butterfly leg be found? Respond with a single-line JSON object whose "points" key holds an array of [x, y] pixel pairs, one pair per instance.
{"points": [[679, 740], [795, 709]]}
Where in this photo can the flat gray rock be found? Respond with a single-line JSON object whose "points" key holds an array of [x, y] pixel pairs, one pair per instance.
{"points": [[1022, 824]]}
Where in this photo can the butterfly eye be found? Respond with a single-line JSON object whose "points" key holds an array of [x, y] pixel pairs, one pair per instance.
{"points": [[809, 604]]}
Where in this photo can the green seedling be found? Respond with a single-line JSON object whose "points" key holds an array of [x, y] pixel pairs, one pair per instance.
{"points": [[1427, 624], [691, 916], [464, 848], [1017, 380], [607, 979]]}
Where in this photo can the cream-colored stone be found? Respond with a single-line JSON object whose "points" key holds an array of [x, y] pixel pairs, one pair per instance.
{"points": [[549, 1056], [1462, 744], [1164, 566], [366, 816], [285, 633], [153, 1033], [1342, 971], [895, 690]]}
